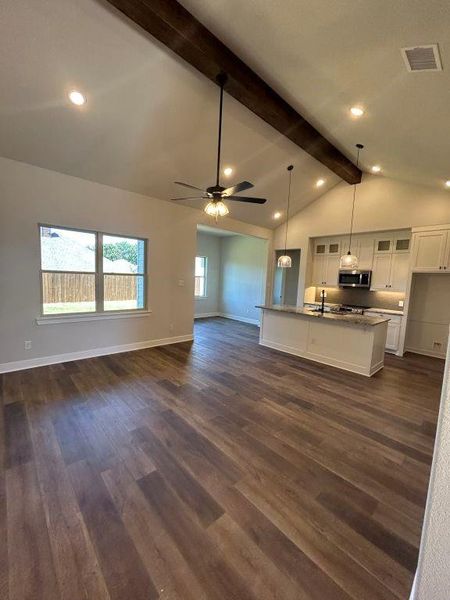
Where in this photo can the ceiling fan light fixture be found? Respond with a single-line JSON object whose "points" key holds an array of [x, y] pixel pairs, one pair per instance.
{"points": [[216, 208]]}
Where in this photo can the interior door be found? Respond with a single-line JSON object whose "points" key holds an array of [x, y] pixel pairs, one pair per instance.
{"points": [[429, 250]]}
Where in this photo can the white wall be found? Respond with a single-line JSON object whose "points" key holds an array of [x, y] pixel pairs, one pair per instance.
{"points": [[30, 195], [428, 314], [243, 276], [209, 246], [381, 204], [433, 572]]}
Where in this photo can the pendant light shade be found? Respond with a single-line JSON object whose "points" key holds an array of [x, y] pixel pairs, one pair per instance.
{"points": [[350, 261], [285, 261]]}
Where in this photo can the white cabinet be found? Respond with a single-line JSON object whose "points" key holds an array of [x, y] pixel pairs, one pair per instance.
{"points": [[381, 273], [363, 247], [327, 254], [431, 251], [391, 264], [390, 272], [393, 332], [325, 270]]}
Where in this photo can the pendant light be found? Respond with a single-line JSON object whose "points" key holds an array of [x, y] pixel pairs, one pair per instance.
{"points": [[349, 260], [285, 261]]}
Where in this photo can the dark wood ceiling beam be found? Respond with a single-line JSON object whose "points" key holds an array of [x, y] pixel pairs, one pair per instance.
{"points": [[170, 23]]}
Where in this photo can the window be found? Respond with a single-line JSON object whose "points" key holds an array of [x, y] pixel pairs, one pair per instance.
{"points": [[91, 272], [200, 276]]}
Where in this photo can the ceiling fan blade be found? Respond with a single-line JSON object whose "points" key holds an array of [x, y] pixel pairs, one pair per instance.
{"points": [[188, 185], [247, 199], [240, 187], [190, 198]]}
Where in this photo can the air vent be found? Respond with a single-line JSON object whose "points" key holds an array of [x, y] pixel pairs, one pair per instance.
{"points": [[422, 58]]}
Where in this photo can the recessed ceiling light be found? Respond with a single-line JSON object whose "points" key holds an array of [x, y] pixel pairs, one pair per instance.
{"points": [[77, 98], [276, 215], [447, 183], [376, 169], [320, 182], [357, 111], [228, 171]]}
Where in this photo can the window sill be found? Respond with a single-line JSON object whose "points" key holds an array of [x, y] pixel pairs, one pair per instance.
{"points": [[53, 319], [201, 297]]}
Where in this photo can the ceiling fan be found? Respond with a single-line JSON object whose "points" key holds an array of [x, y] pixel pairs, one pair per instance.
{"points": [[216, 194]]}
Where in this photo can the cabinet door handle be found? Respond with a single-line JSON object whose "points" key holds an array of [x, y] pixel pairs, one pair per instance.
{"points": [[440, 268]]}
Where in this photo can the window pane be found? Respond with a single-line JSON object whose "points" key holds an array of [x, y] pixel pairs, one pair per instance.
{"points": [[199, 286], [123, 255], [68, 293], [200, 264], [67, 250], [124, 292]]}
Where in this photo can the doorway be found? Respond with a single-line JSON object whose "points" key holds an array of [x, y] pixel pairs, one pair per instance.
{"points": [[285, 281]]}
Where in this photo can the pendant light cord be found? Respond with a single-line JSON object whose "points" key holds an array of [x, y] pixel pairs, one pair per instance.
{"points": [[359, 146], [290, 167]]}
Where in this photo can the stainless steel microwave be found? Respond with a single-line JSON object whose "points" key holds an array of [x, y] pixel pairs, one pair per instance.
{"points": [[354, 279]]}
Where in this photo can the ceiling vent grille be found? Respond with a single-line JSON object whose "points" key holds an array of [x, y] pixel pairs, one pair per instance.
{"points": [[422, 58]]}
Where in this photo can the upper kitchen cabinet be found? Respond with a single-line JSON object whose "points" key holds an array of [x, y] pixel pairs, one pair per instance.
{"points": [[398, 243], [326, 270], [324, 247], [431, 249], [363, 247], [391, 262]]}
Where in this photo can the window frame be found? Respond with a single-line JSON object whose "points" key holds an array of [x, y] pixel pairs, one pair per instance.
{"points": [[205, 277], [98, 274]]}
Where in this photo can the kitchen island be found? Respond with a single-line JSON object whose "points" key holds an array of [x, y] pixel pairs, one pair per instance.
{"points": [[351, 342]]}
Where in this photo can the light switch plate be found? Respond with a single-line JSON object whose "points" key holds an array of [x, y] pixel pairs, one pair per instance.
{"points": [[401, 303]]}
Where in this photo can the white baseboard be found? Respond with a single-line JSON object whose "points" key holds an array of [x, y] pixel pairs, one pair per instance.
{"points": [[426, 352], [42, 361], [238, 318], [206, 315]]}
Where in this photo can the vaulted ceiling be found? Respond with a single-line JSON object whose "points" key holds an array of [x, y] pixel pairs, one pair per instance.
{"points": [[151, 119]]}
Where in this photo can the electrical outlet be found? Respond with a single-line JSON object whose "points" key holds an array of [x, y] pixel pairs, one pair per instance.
{"points": [[181, 282], [171, 327], [401, 303], [28, 345]]}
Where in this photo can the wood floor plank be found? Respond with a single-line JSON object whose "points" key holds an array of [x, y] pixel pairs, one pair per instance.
{"points": [[122, 568], [214, 470], [214, 573], [31, 569], [17, 435]]}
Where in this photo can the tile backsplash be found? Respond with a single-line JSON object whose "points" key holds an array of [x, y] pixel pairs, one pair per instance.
{"points": [[362, 298]]}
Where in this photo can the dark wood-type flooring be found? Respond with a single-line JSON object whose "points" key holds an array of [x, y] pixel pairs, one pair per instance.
{"points": [[214, 471]]}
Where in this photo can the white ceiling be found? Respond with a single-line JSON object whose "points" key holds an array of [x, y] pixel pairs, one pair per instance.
{"points": [[151, 119], [327, 55]]}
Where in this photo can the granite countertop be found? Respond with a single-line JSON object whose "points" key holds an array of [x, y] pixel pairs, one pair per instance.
{"points": [[386, 311], [348, 319]]}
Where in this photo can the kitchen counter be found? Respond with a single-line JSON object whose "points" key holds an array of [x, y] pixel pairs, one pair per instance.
{"points": [[345, 318], [349, 341], [385, 311]]}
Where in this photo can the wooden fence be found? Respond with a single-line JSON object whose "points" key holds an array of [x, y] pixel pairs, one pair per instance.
{"points": [[73, 287]]}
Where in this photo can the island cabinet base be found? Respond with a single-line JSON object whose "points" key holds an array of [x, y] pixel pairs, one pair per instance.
{"points": [[359, 349]]}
